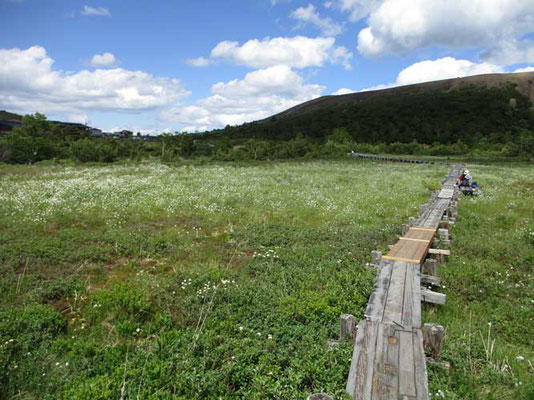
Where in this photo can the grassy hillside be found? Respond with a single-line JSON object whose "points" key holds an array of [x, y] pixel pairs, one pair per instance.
{"points": [[492, 107], [4, 115]]}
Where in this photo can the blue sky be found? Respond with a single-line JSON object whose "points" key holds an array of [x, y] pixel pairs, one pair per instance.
{"points": [[155, 66]]}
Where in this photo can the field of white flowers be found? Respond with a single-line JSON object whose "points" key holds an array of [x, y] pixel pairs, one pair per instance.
{"points": [[333, 192], [222, 281]]}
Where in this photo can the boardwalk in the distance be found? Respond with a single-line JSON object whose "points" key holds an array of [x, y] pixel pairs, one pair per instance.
{"points": [[388, 360]]}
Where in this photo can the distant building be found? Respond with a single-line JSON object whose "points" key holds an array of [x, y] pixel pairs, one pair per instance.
{"points": [[95, 132], [8, 125]]}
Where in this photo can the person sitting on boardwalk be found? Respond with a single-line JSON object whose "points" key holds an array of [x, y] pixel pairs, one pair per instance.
{"points": [[465, 178]]}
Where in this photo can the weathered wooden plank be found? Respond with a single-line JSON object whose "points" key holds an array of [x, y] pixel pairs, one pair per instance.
{"points": [[377, 301], [408, 306], [416, 285], [361, 372], [394, 301], [406, 365], [421, 379], [428, 296], [355, 360], [385, 383]]}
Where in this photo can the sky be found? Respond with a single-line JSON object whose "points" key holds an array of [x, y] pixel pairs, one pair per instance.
{"points": [[156, 66]]}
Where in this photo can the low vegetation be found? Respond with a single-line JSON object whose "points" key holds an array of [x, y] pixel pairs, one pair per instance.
{"points": [[227, 281], [489, 317], [217, 281]]}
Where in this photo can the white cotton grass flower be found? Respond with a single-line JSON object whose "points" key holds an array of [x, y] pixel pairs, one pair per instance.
{"points": [[520, 358]]}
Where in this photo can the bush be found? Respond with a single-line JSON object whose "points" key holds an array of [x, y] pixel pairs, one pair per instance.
{"points": [[86, 150]]}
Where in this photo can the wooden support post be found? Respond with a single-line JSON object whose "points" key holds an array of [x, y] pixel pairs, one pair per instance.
{"points": [[444, 236], [411, 221], [405, 229], [430, 267], [430, 280], [319, 396], [347, 324], [376, 257], [432, 339]]}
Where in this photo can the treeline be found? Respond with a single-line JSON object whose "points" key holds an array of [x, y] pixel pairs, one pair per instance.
{"points": [[38, 139]]}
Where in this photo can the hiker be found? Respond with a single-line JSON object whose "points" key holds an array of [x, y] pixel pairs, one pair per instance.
{"points": [[465, 178]]}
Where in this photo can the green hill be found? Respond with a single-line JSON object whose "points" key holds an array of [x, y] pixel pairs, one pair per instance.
{"points": [[5, 115], [495, 106]]}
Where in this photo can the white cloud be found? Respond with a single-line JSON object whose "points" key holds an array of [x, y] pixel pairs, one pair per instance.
{"points": [[296, 52], [89, 11], [357, 9], [342, 91], [103, 60], [525, 69], [398, 26], [29, 83], [260, 94], [442, 68], [309, 14], [198, 62], [507, 52]]}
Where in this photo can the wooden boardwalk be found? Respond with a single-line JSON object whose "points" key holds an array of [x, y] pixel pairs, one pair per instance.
{"points": [[388, 361], [386, 158]]}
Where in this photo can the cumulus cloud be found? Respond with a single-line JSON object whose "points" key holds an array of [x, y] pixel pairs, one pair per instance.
{"points": [[103, 60], [511, 51], [296, 52], [309, 14], [398, 26], [29, 83], [89, 11], [199, 62], [342, 91], [357, 9], [260, 94], [525, 69], [442, 68]]}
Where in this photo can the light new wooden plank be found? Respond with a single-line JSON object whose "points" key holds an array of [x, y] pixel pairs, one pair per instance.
{"points": [[439, 251], [410, 260]]}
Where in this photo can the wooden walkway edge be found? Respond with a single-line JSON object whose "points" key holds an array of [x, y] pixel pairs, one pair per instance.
{"points": [[388, 361]]}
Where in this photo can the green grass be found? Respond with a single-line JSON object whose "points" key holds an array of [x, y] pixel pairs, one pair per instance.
{"points": [[216, 281], [227, 281], [489, 317]]}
